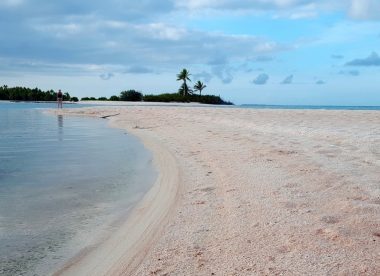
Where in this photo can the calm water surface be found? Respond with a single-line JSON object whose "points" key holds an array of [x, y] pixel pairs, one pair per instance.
{"points": [[64, 183]]}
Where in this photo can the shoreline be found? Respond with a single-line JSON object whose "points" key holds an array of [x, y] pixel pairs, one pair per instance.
{"points": [[126, 247], [289, 192]]}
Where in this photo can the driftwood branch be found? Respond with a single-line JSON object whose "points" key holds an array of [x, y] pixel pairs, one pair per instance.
{"points": [[106, 116]]}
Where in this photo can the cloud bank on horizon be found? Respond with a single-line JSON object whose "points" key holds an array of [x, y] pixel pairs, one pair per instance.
{"points": [[105, 45]]}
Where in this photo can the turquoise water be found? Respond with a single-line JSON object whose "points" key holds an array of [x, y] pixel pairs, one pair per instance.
{"points": [[64, 183]]}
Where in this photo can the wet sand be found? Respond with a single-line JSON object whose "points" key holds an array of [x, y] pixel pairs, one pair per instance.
{"points": [[255, 192]]}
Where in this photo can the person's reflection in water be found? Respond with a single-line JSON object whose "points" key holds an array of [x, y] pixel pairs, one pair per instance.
{"points": [[60, 127]]}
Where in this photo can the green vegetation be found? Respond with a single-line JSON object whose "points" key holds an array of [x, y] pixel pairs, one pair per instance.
{"points": [[114, 98], [184, 95], [131, 96], [184, 76], [27, 94], [176, 97], [199, 86], [88, 99]]}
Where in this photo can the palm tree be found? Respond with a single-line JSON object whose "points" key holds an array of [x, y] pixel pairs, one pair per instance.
{"points": [[199, 86], [184, 76]]}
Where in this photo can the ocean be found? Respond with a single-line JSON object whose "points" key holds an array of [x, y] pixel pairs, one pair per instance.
{"points": [[65, 183]]}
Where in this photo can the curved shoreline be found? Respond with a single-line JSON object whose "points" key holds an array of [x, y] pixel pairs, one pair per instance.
{"points": [[262, 192], [125, 249]]}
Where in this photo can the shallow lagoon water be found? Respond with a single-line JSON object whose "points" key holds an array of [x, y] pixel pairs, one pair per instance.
{"points": [[65, 182]]}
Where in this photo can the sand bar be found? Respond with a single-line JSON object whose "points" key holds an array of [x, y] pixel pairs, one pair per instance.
{"points": [[256, 192]]}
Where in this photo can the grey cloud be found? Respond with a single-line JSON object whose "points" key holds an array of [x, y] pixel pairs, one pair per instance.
{"points": [[93, 39], [138, 70], [337, 56], [224, 73], [320, 82], [245, 67], [106, 76], [288, 80], [128, 10], [261, 79], [203, 76], [349, 72], [365, 9], [372, 60]]}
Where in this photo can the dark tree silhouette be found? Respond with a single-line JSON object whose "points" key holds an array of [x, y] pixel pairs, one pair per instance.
{"points": [[184, 76], [199, 86]]}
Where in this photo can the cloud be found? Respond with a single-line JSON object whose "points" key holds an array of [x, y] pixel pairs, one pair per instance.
{"points": [[354, 73], [288, 80], [262, 59], [372, 60], [336, 56], [86, 37], [224, 73], [320, 82], [290, 9], [203, 76], [261, 79], [365, 9], [242, 4], [138, 70], [106, 76]]}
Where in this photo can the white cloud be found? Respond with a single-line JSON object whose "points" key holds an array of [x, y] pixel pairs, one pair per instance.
{"points": [[163, 31], [365, 9], [292, 9], [240, 4]]}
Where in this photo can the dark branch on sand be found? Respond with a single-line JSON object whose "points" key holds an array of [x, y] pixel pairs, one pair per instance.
{"points": [[106, 116]]}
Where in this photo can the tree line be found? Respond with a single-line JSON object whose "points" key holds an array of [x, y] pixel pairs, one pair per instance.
{"points": [[30, 94], [184, 94], [135, 96]]}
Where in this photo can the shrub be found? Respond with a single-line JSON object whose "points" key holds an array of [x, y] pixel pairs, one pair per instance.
{"points": [[74, 99], [102, 99], [114, 98], [176, 97], [131, 95], [167, 97]]}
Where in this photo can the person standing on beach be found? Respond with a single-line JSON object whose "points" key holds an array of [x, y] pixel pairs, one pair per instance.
{"points": [[59, 98]]}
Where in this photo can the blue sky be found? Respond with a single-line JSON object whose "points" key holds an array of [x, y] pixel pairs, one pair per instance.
{"points": [[247, 51]]}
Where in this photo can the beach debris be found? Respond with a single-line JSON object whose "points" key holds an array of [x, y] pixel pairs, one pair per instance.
{"points": [[112, 115]]}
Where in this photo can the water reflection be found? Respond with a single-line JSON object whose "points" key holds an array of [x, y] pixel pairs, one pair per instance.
{"points": [[60, 127]]}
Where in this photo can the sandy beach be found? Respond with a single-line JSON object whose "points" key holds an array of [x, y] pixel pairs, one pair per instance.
{"points": [[247, 192]]}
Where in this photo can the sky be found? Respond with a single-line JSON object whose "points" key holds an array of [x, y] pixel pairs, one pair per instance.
{"points": [[302, 52]]}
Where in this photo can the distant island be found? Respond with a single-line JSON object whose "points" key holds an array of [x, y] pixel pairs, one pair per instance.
{"points": [[31, 94], [185, 94]]}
